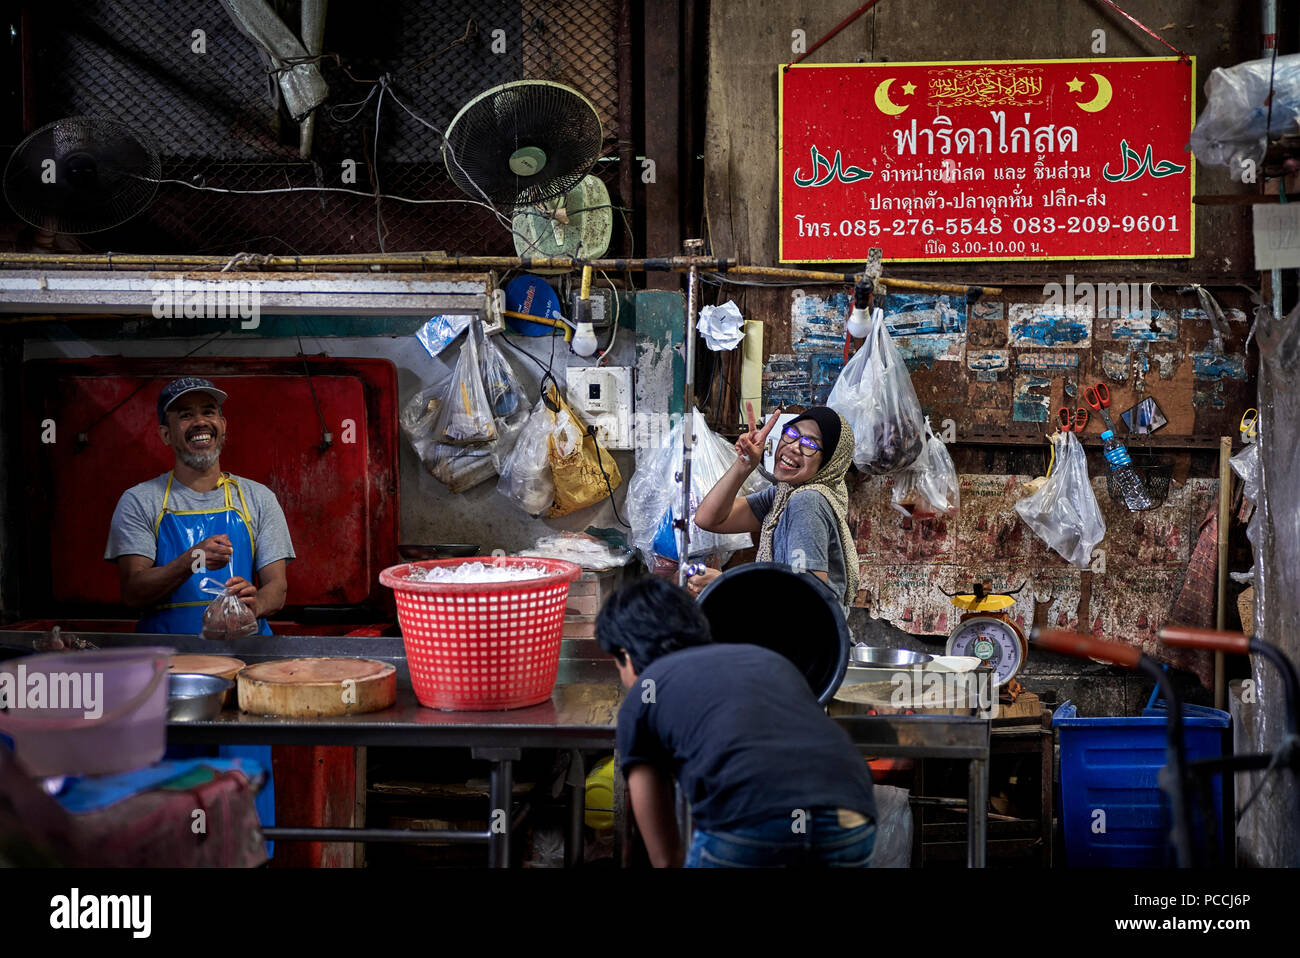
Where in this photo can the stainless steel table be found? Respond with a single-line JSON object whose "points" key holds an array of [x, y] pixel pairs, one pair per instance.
{"points": [[579, 717]]}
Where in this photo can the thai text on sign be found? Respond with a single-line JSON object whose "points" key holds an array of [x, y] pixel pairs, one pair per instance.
{"points": [[1024, 159]]}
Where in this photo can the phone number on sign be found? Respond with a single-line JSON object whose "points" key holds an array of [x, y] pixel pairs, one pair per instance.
{"points": [[1019, 226]]}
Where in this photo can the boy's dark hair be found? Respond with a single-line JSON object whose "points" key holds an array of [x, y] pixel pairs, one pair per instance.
{"points": [[650, 618]]}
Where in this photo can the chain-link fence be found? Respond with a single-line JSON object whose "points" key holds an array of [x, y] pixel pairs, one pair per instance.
{"points": [[207, 103]]}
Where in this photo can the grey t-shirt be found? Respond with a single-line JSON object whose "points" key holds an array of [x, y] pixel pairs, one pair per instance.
{"points": [[131, 532], [808, 523]]}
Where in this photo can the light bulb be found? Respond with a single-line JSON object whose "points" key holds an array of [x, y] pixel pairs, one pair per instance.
{"points": [[584, 340]]}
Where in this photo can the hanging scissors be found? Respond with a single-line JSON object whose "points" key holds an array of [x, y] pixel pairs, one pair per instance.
{"points": [[1248, 427], [1072, 421], [1098, 397]]}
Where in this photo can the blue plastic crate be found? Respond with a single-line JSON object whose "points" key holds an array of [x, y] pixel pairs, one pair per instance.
{"points": [[1111, 765]]}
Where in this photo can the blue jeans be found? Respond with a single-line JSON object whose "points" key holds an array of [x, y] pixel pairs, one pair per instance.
{"points": [[818, 841]]}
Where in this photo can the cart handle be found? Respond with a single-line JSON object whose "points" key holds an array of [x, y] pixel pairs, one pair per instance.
{"points": [[1085, 646], [1187, 637]]}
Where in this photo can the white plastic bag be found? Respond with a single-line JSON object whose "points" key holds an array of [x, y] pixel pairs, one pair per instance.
{"points": [[654, 495], [526, 472], [874, 393], [465, 415], [226, 617], [1230, 130], [929, 486], [1064, 512]]}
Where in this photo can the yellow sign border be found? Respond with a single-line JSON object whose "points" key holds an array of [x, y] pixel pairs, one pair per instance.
{"points": [[780, 150]]}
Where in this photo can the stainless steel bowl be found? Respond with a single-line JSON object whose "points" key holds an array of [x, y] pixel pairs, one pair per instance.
{"points": [[869, 655], [193, 697]]}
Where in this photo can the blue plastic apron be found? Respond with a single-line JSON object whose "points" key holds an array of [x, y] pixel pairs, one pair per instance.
{"points": [[178, 533]]}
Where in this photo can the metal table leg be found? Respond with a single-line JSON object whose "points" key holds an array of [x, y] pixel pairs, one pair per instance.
{"points": [[500, 796], [577, 781], [976, 813]]}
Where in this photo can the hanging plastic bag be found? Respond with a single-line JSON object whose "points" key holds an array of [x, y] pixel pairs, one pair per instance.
{"points": [[1230, 131], [583, 473], [466, 413], [499, 382], [226, 617], [526, 472], [654, 495], [929, 486], [874, 393], [1063, 512]]}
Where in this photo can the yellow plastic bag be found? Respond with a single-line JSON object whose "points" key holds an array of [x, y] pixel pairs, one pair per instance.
{"points": [[583, 474]]}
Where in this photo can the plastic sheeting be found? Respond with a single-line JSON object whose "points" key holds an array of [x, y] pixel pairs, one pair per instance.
{"points": [[1269, 834], [1230, 131]]}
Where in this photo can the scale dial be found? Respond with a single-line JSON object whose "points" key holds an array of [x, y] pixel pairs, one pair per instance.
{"points": [[995, 642]]}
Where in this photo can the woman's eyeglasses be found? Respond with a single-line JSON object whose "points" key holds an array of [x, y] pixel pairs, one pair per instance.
{"points": [[808, 446]]}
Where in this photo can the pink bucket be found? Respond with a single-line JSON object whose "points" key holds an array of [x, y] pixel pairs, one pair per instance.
{"points": [[86, 713]]}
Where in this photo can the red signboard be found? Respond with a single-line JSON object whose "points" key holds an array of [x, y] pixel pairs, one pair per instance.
{"points": [[1021, 160]]}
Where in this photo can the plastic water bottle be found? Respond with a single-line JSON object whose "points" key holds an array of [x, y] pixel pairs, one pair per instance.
{"points": [[1131, 487]]}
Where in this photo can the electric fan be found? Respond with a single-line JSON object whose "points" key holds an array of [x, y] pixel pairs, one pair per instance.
{"points": [[523, 143], [82, 174], [580, 223]]}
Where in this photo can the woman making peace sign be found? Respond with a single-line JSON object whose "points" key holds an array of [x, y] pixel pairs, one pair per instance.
{"points": [[803, 520]]}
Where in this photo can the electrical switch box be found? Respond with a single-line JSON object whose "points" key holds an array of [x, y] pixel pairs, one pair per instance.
{"points": [[603, 396]]}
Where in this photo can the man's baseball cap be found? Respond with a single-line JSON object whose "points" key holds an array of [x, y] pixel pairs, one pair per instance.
{"points": [[177, 388]]}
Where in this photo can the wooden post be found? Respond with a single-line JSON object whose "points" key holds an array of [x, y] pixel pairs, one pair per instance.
{"points": [[1225, 501]]}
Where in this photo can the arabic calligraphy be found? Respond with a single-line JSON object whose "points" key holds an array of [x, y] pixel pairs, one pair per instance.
{"points": [[832, 171], [985, 87], [1144, 166]]}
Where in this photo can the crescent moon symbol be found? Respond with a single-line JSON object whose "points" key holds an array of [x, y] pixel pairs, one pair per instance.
{"points": [[883, 103], [1102, 99]]}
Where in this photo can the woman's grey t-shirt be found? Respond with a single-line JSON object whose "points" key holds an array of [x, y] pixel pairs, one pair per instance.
{"points": [[808, 524], [131, 532]]}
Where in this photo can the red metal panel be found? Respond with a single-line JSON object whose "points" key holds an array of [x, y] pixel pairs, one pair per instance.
{"points": [[315, 787], [340, 503]]}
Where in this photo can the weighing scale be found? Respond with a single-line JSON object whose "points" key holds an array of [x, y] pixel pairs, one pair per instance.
{"points": [[987, 632]]}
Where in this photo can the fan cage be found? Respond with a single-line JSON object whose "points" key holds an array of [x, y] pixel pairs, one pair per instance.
{"points": [[214, 125]]}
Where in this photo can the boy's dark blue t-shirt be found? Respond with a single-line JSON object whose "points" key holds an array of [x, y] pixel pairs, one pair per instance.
{"points": [[742, 733]]}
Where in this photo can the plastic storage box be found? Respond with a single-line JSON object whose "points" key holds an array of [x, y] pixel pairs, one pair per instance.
{"points": [[1113, 812]]}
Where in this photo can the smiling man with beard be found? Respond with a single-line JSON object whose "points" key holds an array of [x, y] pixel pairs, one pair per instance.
{"points": [[236, 524]]}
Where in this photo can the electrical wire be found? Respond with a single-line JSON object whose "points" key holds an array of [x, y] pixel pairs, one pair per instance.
{"points": [[591, 431], [326, 440], [600, 361]]}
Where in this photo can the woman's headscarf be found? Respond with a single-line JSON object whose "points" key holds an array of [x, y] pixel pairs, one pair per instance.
{"points": [[829, 481]]}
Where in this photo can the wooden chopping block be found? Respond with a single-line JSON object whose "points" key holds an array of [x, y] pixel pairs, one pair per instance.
{"points": [[302, 688], [222, 665], [225, 666]]}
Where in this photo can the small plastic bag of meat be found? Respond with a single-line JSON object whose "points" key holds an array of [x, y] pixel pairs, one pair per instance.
{"points": [[226, 617]]}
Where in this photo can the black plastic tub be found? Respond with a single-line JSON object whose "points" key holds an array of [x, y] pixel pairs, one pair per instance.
{"points": [[794, 613]]}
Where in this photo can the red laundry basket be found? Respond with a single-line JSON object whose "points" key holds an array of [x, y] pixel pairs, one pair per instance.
{"points": [[483, 645]]}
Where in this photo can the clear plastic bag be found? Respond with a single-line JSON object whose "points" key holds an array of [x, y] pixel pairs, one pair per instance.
{"points": [[874, 393], [499, 382], [465, 415], [929, 486], [654, 495], [1063, 512], [1230, 130], [526, 472], [226, 617], [1246, 465]]}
